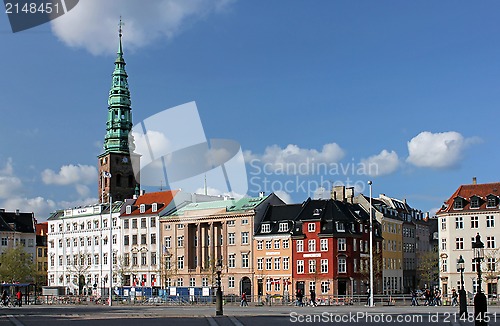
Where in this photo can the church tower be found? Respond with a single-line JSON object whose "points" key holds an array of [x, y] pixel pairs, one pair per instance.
{"points": [[116, 176]]}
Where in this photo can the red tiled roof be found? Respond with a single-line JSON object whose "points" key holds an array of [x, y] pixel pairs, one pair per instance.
{"points": [[468, 191], [162, 198]]}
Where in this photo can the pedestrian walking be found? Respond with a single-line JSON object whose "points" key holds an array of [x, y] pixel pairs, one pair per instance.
{"points": [[299, 296], [414, 298], [244, 299], [313, 298], [19, 297], [368, 296], [454, 298]]}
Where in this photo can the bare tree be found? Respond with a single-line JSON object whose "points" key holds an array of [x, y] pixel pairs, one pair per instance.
{"points": [[427, 269], [79, 267]]}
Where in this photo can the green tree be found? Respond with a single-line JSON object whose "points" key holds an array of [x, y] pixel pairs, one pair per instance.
{"points": [[16, 265]]}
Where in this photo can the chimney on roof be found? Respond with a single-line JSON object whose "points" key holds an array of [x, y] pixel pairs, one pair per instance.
{"points": [[349, 194], [261, 194], [17, 211], [474, 180], [426, 216], [143, 192], [338, 193]]}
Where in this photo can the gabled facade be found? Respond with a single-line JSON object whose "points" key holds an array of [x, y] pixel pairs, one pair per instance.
{"points": [[273, 254], [331, 249], [472, 209]]}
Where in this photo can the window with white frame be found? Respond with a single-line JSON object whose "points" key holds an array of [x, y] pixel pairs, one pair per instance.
{"points": [[180, 281], [269, 244], [444, 265], [286, 244], [180, 241], [277, 263], [231, 263], [286, 263], [142, 208], [311, 227], [459, 243], [231, 282], [300, 267], [325, 286], [311, 245], [244, 260], [230, 223], [490, 242], [277, 244], [341, 244], [323, 244], [491, 264], [180, 262], [268, 285], [244, 221], [492, 201], [300, 245], [342, 265], [474, 222], [269, 263], [312, 266], [154, 207], [324, 265], [459, 222], [244, 238], [443, 223], [259, 244], [204, 281], [230, 238], [474, 202], [192, 281], [443, 244], [490, 221], [340, 227], [266, 228], [260, 264], [283, 227]]}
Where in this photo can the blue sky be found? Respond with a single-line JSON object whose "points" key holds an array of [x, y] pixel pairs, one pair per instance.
{"points": [[410, 86]]}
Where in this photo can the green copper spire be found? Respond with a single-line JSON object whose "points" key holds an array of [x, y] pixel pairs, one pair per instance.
{"points": [[119, 122]]}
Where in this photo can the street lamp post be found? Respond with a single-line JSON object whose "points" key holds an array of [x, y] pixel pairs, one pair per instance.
{"points": [[110, 258], [371, 303], [218, 295], [480, 304], [461, 292]]}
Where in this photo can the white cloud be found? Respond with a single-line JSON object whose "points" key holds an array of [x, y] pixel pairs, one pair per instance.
{"points": [[10, 185], [438, 150], [293, 159], [381, 164], [82, 190], [40, 206], [70, 174], [93, 24], [284, 196]]}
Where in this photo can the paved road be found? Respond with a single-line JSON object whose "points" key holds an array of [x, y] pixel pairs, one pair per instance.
{"points": [[234, 315]]}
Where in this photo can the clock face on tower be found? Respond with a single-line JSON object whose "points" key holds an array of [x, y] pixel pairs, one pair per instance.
{"points": [[125, 160]]}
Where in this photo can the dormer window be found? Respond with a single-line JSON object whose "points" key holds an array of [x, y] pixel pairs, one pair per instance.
{"points": [[266, 228], [142, 208], [340, 227], [317, 211], [492, 201], [311, 227], [154, 207], [458, 203], [474, 202], [283, 227], [128, 209]]}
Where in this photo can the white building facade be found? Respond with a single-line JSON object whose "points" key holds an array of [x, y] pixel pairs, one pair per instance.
{"points": [[79, 248], [473, 209]]}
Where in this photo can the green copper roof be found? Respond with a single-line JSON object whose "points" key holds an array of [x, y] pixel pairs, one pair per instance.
{"points": [[119, 122], [230, 206]]}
